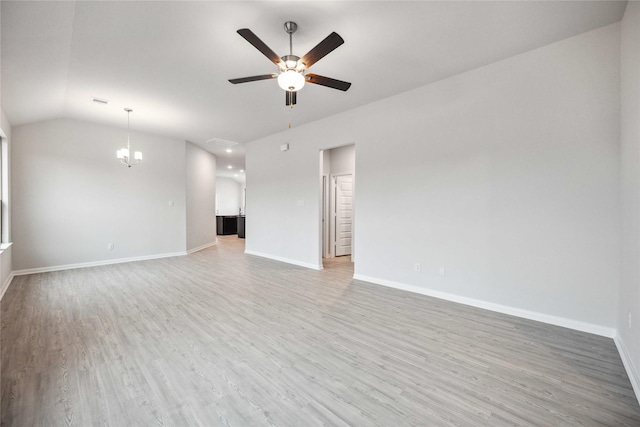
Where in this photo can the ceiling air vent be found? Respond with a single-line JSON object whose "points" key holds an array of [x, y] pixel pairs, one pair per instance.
{"points": [[99, 101], [219, 142]]}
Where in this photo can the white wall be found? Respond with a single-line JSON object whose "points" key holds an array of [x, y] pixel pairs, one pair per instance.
{"points": [[71, 196], [507, 176], [326, 162], [629, 302], [6, 178], [6, 258], [6, 262], [243, 192], [228, 196], [200, 197], [343, 160]]}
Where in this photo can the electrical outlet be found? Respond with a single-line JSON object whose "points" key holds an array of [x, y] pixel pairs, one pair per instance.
{"points": [[417, 267], [442, 271], [629, 320], [110, 246]]}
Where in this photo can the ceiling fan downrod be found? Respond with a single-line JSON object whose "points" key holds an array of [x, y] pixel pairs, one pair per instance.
{"points": [[290, 27], [291, 61]]}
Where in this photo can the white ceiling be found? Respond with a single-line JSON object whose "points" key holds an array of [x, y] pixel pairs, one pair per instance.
{"points": [[170, 61]]}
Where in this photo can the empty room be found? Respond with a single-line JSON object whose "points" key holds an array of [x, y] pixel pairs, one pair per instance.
{"points": [[341, 213]]}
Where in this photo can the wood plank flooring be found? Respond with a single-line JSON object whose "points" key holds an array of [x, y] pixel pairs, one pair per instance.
{"points": [[219, 338]]}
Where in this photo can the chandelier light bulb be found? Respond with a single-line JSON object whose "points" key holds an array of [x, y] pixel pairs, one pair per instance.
{"points": [[123, 153]]}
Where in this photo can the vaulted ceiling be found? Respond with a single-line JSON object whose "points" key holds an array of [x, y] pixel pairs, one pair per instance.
{"points": [[170, 61]]}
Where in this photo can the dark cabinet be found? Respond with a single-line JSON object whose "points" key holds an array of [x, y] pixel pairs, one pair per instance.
{"points": [[226, 224], [241, 222]]}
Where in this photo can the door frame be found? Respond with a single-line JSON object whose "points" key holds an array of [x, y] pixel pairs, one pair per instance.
{"points": [[326, 216], [323, 203]]}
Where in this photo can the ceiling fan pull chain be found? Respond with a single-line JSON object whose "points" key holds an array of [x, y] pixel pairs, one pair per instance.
{"points": [[290, 114]]}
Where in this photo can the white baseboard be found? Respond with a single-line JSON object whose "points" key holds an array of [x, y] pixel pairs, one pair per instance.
{"points": [[632, 372], [95, 263], [6, 284], [287, 260], [526, 314], [199, 248]]}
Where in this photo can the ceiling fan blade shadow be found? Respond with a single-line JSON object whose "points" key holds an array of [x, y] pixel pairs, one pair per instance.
{"points": [[290, 98], [260, 45], [323, 48], [328, 82], [253, 78]]}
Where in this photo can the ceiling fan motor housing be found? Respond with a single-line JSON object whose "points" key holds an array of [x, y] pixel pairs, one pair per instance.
{"points": [[292, 62]]}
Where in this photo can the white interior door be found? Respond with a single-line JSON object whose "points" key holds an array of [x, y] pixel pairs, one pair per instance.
{"points": [[344, 214]]}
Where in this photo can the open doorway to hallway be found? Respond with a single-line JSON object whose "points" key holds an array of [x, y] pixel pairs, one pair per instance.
{"points": [[338, 192]]}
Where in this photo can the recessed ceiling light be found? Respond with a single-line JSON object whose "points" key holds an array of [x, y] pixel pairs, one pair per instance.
{"points": [[228, 150], [229, 167], [242, 170], [236, 175]]}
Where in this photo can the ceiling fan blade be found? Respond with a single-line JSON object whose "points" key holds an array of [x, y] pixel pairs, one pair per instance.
{"points": [[323, 48], [253, 78], [259, 44], [328, 82], [291, 98]]}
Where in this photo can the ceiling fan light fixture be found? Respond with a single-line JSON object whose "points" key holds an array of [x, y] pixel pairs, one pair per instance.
{"points": [[292, 69], [290, 61], [291, 80]]}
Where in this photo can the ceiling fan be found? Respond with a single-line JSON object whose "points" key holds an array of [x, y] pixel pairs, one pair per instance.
{"points": [[292, 68]]}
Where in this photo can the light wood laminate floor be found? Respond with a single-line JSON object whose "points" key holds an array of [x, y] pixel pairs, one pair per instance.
{"points": [[219, 338]]}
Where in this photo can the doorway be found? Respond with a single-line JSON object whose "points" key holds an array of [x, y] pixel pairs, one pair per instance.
{"points": [[338, 195]]}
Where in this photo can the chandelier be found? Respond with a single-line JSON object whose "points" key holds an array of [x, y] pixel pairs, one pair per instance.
{"points": [[123, 153]]}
